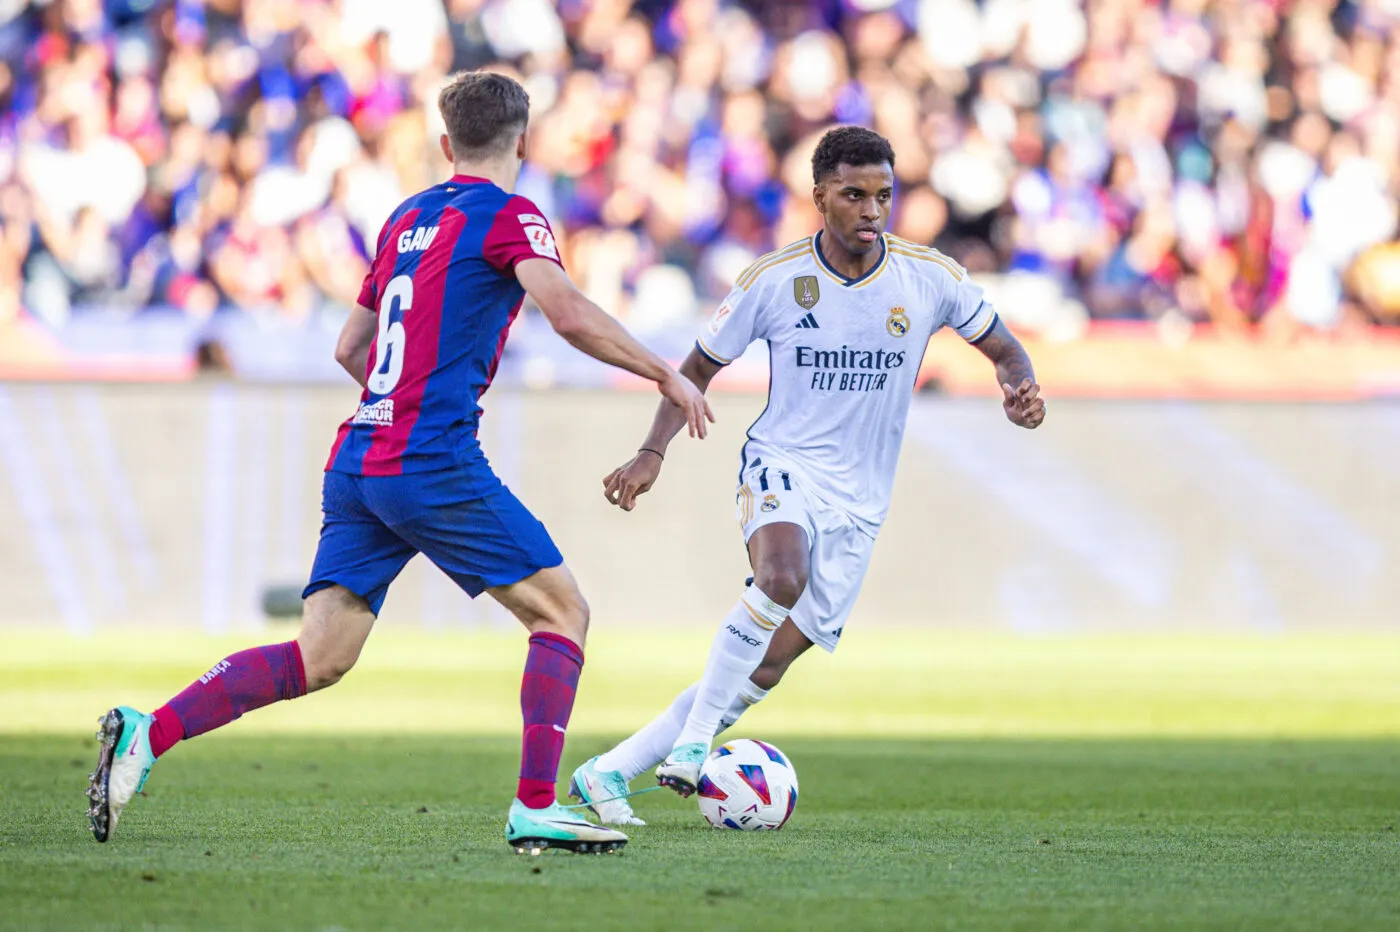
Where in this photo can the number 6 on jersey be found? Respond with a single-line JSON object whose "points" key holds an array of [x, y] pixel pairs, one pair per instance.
{"points": [[390, 345]]}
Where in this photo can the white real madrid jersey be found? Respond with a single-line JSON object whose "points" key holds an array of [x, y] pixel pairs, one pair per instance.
{"points": [[843, 358]]}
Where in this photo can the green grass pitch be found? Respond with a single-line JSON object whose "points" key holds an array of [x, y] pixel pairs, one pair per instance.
{"points": [[947, 782]]}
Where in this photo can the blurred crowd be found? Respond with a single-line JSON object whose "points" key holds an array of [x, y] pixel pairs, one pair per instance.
{"points": [[1225, 161]]}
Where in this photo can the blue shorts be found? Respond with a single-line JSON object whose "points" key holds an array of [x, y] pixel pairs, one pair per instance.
{"points": [[373, 525]]}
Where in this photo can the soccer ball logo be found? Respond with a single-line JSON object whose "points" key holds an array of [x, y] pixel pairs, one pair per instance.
{"points": [[747, 785]]}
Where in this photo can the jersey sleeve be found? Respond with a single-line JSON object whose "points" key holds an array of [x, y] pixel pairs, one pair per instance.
{"points": [[971, 315], [519, 231], [369, 289], [732, 328]]}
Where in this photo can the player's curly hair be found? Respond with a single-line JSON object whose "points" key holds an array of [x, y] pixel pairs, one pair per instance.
{"points": [[849, 145], [484, 113]]}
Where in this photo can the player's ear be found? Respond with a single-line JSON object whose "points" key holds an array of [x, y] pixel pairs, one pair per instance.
{"points": [[520, 146], [819, 197], [446, 145]]}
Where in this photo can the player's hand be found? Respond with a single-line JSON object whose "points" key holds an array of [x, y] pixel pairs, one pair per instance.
{"points": [[623, 485], [1023, 406], [682, 393]]}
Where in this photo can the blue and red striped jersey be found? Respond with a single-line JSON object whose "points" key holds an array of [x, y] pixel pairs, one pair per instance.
{"points": [[443, 284]]}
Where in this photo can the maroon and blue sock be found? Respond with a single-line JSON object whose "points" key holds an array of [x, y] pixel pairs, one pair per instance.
{"points": [[546, 700], [239, 683]]}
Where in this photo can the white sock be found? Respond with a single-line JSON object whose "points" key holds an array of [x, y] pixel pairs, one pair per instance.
{"points": [[653, 741], [749, 695], [738, 648]]}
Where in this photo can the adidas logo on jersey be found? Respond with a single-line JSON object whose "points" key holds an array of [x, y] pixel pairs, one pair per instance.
{"points": [[808, 323]]}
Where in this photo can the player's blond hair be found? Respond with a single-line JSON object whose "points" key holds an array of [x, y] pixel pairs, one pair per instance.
{"points": [[484, 113]]}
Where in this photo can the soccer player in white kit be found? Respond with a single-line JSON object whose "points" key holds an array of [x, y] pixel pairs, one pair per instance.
{"points": [[846, 314]]}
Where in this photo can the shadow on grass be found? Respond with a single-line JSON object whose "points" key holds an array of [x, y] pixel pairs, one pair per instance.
{"points": [[377, 831]]}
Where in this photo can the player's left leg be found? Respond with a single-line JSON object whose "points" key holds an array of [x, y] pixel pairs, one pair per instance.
{"points": [[841, 559], [780, 554], [837, 561], [787, 645], [356, 559], [780, 535], [336, 624]]}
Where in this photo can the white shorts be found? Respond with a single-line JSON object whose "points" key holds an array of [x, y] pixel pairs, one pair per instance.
{"points": [[840, 549]]}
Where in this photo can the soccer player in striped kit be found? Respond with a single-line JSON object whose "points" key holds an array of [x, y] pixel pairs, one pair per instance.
{"points": [[406, 474]]}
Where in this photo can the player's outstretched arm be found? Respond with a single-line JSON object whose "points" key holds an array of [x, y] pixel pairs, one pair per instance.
{"points": [[352, 348], [1022, 403], [588, 328], [639, 474]]}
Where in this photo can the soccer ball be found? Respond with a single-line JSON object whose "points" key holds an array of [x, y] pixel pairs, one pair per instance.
{"points": [[747, 785]]}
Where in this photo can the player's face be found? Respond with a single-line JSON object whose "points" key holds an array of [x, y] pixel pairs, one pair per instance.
{"points": [[855, 205]]}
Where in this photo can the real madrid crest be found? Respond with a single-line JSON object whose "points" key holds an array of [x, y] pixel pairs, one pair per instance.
{"points": [[770, 503], [805, 291], [898, 324]]}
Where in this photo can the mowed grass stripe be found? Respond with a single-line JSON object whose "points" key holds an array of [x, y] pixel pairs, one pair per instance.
{"points": [[879, 683], [379, 832]]}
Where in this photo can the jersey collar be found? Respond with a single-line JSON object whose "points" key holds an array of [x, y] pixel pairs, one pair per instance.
{"points": [[849, 282], [469, 179]]}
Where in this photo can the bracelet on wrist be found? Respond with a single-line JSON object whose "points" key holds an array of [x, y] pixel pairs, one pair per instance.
{"points": [[659, 455]]}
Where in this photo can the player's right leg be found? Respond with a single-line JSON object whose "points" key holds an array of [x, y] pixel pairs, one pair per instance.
{"points": [[550, 606], [481, 535], [602, 782], [356, 560]]}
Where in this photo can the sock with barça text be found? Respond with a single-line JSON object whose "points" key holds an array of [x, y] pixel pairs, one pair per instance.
{"points": [[546, 700], [239, 683]]}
